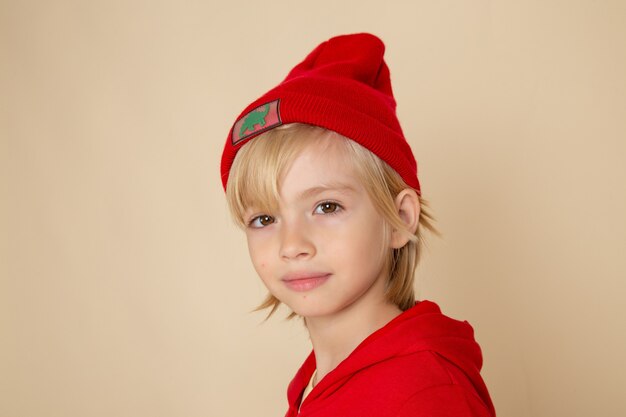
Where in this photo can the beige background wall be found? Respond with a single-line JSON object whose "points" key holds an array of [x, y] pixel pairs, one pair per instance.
{"points": [[125, 289]]}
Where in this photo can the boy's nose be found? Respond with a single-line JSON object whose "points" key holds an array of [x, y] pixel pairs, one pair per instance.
{"points": [[295, 242]]}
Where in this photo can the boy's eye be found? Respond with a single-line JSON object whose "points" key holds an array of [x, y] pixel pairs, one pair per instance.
{"points": [[327, 207], [261, 221]]}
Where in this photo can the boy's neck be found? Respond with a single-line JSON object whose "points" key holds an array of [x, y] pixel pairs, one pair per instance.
{"points": [[335, 337]]}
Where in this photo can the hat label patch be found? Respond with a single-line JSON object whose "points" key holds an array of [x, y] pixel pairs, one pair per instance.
{"points": [[257, 120]]}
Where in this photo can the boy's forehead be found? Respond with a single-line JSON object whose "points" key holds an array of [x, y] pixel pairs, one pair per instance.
{"points": [[310, 163], [323, 165]]}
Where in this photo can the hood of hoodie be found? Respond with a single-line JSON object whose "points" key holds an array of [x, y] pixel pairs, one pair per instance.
{"points": [[420, 328]]}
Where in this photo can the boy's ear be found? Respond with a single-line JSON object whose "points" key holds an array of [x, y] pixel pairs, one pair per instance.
{"points": [[408, 206]]}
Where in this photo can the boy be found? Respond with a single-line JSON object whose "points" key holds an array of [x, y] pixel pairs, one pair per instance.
{"points": [[318, 173]]}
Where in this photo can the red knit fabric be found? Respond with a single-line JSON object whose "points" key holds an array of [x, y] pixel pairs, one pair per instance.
{"points": [[342, 85], [421, 364]]}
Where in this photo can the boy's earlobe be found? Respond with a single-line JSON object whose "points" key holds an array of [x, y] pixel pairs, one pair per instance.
{"points": [[408, 206]]}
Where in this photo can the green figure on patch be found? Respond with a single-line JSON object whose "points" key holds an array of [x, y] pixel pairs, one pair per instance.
{"points": [[254, 118]]}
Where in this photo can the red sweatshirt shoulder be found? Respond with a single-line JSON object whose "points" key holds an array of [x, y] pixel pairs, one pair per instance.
{"points": [[415, 385], [444, 401], [420, 364]]}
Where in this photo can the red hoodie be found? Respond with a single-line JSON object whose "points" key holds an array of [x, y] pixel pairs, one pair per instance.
{"points": [[421, 363]]}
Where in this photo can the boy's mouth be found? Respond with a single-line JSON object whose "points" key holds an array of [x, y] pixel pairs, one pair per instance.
{"points": [[305, 281]]}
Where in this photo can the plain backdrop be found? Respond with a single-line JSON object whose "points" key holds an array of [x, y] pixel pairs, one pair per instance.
{"points": [[125, 288]]}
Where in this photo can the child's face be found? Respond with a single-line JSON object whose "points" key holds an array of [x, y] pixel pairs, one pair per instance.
{"points": [[324, 250]]}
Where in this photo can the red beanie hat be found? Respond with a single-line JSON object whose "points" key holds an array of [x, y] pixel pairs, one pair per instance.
{"points": [[342, 85]]}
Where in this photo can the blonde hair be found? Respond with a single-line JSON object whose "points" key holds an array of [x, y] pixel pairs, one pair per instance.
{"points": [[254, 181]]}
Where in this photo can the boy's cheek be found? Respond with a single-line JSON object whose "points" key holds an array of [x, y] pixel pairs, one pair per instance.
{"points": [[255, 244], [261, 268], [259, 255]]}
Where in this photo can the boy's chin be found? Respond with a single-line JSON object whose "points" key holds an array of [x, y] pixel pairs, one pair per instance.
{"points": [[310, 311]]}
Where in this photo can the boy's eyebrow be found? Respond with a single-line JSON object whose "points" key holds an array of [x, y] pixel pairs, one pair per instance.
{"points": [[339, 187]]}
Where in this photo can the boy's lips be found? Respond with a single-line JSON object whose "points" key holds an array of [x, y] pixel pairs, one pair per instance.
{"points": [[305, 281]]}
